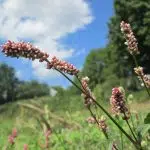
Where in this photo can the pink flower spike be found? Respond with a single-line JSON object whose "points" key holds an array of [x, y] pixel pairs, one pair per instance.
{"points": [[11, 139], [131, 41], [63, 66], [117, 102], [25, 147], [14, 132], [47, 133], [88, 94], [22, 49]]}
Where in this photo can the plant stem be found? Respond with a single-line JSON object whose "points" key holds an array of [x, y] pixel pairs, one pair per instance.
{"points": [[114, 121], [93, 116], [131, 129], [121, 140], [116, 148], [105, 111], [105, 134], [133, 125], [108, 114], [123, 131], [136, 64], [134, 135]]}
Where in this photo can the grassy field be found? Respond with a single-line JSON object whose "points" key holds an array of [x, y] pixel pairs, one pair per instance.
{"points": [[70, 130]]}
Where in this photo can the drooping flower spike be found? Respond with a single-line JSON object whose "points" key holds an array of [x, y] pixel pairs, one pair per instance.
{"points": [[22, 49], [63, 66], [25, 147], [27, 50]]}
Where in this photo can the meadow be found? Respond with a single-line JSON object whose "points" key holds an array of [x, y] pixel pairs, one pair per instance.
{"points": [[70, 129]]}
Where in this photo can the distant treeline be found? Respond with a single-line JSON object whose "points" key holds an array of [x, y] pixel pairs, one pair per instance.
{"points": [[11, 88]]}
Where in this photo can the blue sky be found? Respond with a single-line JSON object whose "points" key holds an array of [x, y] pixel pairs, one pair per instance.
{"points": [[85, 29]]}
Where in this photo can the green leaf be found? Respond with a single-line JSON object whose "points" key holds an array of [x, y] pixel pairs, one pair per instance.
{"points": [[147, 119], [143, 129]]}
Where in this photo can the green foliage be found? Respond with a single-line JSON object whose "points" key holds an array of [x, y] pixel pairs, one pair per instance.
{"points": [[140, 96], [137, 14], [31, 89], [114, 61], [147, 119], [85, 137], [94, 65], [12, 89], [8, 84]]}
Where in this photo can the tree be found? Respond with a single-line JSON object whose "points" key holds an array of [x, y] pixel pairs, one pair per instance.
{"points": [[94, 65], [31, 89], [138, 15], [114, 61], [8, 83]]}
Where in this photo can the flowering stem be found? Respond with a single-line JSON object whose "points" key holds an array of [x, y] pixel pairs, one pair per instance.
{"points": [[130, 129], [114, 121], [109, 116], [93, 116], [132, 122], [121, 140], [133, 134], [105, 134], [123, 131], [70, 80], [105, 111], [116, 147], [136, 63]]}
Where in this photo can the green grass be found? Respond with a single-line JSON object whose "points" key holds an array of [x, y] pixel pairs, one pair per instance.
{"points": [[70, 129]]}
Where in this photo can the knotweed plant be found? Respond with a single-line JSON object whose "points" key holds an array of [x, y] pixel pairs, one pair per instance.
{"points": [[132, 45], [117, 100], [101, 124], [131, 41], [47, 135], [25, 147], [11, 139], [140, 73]]}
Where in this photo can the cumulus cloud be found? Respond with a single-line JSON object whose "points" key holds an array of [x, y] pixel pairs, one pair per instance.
{"points": [[53, 92], [44, 22], [19, 74]]}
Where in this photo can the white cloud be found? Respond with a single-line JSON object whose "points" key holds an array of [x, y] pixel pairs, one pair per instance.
{"points": [[81, 52], [19, 74], [53, 92], [44, 22]]}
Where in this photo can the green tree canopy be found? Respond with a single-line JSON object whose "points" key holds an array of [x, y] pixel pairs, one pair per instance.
{"points": [[31, 89], [8, 83], [137, 13], [114, 61]]}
